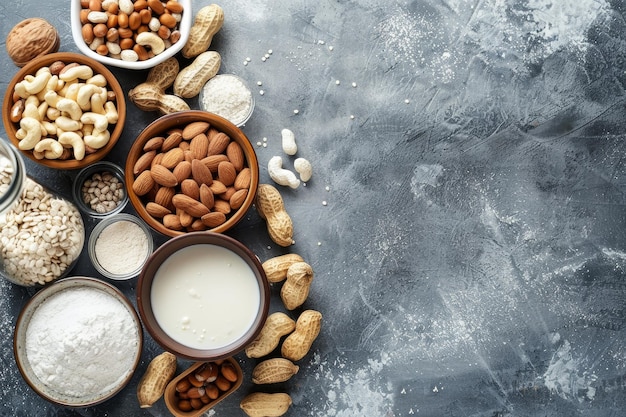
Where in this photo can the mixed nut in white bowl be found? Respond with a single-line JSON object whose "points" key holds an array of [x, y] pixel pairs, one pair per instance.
{"points": [[109, 31]]}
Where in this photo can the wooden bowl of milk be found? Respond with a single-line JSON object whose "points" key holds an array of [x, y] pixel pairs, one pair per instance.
{"points": [[203, 296]]}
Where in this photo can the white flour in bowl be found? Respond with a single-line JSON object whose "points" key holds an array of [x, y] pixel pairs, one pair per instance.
{"points": [[81, 342]]}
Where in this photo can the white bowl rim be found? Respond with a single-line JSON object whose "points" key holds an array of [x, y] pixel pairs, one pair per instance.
{"points": [[184, 27]]}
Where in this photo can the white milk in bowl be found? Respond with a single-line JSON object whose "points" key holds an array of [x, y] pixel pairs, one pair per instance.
{"points": [[205, 296]]}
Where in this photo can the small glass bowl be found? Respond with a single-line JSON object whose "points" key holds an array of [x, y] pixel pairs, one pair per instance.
{"points": [[86, 174], [120, 243], [217, 105]]}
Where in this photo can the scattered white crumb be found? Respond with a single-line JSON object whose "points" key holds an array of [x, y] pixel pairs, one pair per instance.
{"points": [[324, 203], [296, 111], [354, 85]]}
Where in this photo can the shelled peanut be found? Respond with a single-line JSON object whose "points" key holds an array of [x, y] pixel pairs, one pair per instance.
{"points": [[130, 30], [192, 178], [205, 384]]}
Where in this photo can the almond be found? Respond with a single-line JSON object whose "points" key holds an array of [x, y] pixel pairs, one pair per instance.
{"points": [[172, 141], [144, 162], [226, 173], [213, 219], [198, 225], [164, 196], [200, 173], [172, 158], [237, 199], [222, 206], [212, 161], [217, 187], [163, 176], [235, 155], [195, 128], [171, 221], [157, 210], [243, 179], [157, 159], [185, 218], [226, 195], [184, 145], [218, 143], [143, 183], [189, 205], [199, 146], [206, 196], [190, 187], [182, 171], [153, 144]]}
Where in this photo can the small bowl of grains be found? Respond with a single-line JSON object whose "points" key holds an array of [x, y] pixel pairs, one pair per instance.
{"points": [[99, 189], [227, 95], [119, 246]]}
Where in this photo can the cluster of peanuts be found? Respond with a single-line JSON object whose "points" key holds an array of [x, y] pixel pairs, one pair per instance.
{"points": [[131, 30], [205, 384], [192, 178]]}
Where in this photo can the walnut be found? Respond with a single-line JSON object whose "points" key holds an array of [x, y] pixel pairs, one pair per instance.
{"points": [[31, 38]]}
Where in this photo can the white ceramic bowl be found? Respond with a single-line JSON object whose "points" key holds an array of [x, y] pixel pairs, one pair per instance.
{"points": [[184, 27], [56, 390]]}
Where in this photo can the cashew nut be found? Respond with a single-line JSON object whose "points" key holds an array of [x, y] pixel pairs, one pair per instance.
{"points": [[289, 142], [151, 40], [49, 127], [304, 168], [99, 121], [280, 175], [31, 109], [83, 72], [111, 112], [98, 80], [83, 98], [53, 113], [98, 140], [49, 148], [72, 91], [70, 107], [34, 85], [74, 141], [68, 124], [32, 128], [97, 103]]}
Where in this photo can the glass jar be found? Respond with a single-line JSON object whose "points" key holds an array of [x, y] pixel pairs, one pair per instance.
{"points": [[41, 233]]}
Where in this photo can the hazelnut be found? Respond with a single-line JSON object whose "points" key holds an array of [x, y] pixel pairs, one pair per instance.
{"points": [[31, 38]]}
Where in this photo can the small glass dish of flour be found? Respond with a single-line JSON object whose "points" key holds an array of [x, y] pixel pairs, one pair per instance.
{"points": [[228, 96], [119, 246]]}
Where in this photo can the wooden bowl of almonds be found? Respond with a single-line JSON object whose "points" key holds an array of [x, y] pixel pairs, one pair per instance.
{"points": [[64, 110], [191, 171]]}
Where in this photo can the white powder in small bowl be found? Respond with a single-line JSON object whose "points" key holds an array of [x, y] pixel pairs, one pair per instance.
{"points": [[228, 96], [119, 246]]}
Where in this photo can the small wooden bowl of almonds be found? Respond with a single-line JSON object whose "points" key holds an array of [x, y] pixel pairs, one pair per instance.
{"points": [[64, 110], [202, 386], [191, 171]]}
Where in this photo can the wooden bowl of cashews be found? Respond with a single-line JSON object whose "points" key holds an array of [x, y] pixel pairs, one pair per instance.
{"points": [[64, 110]]}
